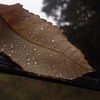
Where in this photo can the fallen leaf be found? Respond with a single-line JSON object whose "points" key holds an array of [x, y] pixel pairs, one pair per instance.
{"points": [[38, 46]]}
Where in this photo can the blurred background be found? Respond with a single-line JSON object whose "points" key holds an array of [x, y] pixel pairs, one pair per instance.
{"points": [[80, 22]]}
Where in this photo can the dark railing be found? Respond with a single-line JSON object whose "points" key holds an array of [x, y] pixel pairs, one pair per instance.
{"points": [[88, 81]]}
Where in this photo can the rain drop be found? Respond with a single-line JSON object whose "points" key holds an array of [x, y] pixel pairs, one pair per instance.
{"points": [[35, 65], [35, 62], [28, 59], [38, 54], [4, 45], [50, 54], [28, 63], [11, 45], [2, 49], [12, 51], [34, 49], [27, 53], [48, 71], [45, 60], [33, 58], [9, 54], [35, 29], [15, 51], [18, 37], [71, 78], [26, 18], [55, 70], [60, 74], [73, 49], [53, 65], [57, 49], [16, 45], [42, 38], [53, 40], [41, 28], [24, 46], [19, 49], [18, 58], [19, 42]]}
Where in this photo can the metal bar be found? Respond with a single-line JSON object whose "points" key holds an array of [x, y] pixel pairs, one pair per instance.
{"points": [[7, 66]]}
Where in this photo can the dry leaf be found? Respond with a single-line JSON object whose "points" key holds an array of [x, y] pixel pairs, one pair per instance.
{"points": [[38, 46]]}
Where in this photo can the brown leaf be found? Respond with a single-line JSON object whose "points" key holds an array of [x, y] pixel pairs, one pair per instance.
{"points": [[38, 46]]}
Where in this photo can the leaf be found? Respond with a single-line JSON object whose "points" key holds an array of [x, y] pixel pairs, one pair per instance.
{"points": [[38, 46]]}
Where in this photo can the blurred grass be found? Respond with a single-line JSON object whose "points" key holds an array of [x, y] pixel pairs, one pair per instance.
{"points": [[19, 88]]}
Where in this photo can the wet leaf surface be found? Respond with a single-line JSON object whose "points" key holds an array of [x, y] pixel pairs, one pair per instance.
{"points": [[38, 46]]}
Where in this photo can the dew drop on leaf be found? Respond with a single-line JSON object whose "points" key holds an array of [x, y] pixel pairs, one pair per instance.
{"points": [[28, 59], [35, 62], [32, 41], [53, 40], [9, 54], [34, 49], [28, 63]]}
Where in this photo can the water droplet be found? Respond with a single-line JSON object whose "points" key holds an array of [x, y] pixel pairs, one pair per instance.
{"points": [[15, 59], [46, 24], [50, 54], [18, 58], [18, 37], [15, 51], [35, 65], [61, 67], [53, 65], [27, 53], [26, 18], [71, 78], [48, 50], [63, 45], [73, 49], [19, 49], [18, 53], [24, 46], [4, 45], [41, 28], [28, 63], [16, 45], [33, 57], [38, 54], [35, 62], [45, 60], [12, 51], [34, 49], [60, 74], [55, 70], [48, 71], [19, 42], [11, 45], [2, 49], [42, 38], [55, 53], [9, 54], [53, 40], [36, 39], [28, 59], [57, 75], [35, 29]]}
